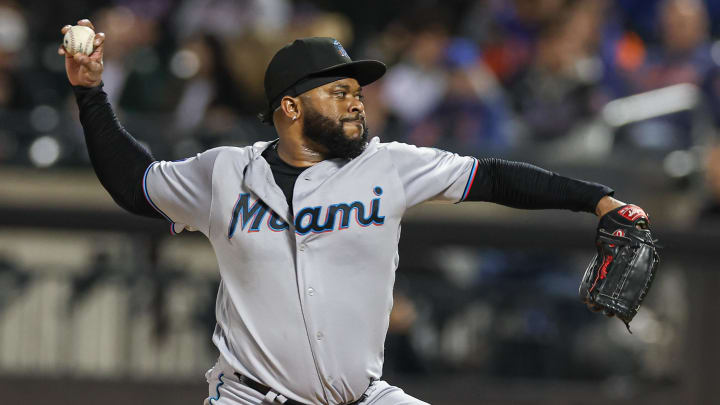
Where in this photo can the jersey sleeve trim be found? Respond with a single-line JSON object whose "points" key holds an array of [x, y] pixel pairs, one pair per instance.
{"points": [[217, 389], [471, 179], [150, 201]]}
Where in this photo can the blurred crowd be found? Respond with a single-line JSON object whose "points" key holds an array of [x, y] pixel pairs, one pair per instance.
{"points": [[580, 78], [477, 76]]}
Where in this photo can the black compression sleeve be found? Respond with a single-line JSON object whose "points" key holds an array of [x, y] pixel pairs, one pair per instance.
{"points": [[522, 185], [118, 159]]}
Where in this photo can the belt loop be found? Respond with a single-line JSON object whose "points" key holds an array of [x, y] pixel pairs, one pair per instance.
{"points": [[271, 396]]}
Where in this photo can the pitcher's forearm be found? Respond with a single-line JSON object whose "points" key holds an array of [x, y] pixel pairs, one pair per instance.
{"points": [[522, 185], [118, 159]]}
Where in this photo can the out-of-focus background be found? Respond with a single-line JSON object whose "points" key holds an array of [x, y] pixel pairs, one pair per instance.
{"points": [[98, 306]]}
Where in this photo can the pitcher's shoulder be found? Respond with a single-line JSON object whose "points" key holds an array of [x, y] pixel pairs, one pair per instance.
{"points": [[401, 150], [235, 154]]}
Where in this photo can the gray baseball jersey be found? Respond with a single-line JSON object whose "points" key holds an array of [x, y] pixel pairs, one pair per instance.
{"points": [[305, 296]]}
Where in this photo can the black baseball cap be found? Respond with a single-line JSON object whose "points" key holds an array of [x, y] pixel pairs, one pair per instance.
{"points": [[307, 63]]}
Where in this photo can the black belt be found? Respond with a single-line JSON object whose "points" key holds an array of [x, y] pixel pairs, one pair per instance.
{"points": [[263, 389]]}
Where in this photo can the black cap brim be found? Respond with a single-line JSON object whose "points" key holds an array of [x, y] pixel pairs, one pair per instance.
{"points": [[364, 71]]}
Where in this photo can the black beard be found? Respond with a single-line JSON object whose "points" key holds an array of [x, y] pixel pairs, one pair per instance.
{"points": [[331, 135]]}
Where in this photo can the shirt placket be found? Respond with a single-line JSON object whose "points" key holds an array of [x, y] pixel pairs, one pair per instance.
{"points": [[311, 296], [260, 180]]}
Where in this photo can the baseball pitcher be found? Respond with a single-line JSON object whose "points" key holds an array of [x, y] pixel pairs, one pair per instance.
{"points": [[305, 227]]}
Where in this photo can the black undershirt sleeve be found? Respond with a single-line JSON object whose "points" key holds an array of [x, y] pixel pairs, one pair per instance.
{"points": [[522, 185], [118, 159]]}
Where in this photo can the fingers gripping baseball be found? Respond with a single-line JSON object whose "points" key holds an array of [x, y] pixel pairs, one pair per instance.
{"points": [[84, 70]]}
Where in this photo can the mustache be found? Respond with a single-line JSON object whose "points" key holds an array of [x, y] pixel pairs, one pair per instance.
{"points": [[358, 117]]}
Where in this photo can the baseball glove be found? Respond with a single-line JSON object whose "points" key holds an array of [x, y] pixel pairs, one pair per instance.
{"points": [[620, 274]]}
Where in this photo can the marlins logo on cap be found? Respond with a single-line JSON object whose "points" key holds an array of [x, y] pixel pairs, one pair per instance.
{"points": [[340, 48]]}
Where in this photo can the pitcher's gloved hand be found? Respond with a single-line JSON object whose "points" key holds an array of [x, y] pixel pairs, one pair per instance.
{"points": [[619, 276]]}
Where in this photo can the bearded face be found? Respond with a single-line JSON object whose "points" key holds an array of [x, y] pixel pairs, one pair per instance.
{"points": [[343, 138]]}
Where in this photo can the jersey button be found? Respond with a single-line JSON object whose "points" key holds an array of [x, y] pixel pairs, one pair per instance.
{"points": [[302, 246], [311, 291], [320, 336]]}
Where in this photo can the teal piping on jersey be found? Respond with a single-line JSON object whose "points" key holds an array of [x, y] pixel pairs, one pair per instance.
{"points": [[149, 200], [217, 389], [471, 178]]}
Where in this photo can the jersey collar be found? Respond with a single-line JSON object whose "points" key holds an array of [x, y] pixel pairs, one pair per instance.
{"points": [[259, 147]]}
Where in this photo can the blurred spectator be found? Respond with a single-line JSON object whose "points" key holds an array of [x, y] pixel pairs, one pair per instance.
{"points": [[682, 56], [134, 75], [13, 38], [415, 86], [558, 89], [440, 93], [210, 101], [472, 115], [508, 31]]}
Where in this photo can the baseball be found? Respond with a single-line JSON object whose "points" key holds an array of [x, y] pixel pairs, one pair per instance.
{"points": [[79, 39]]}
